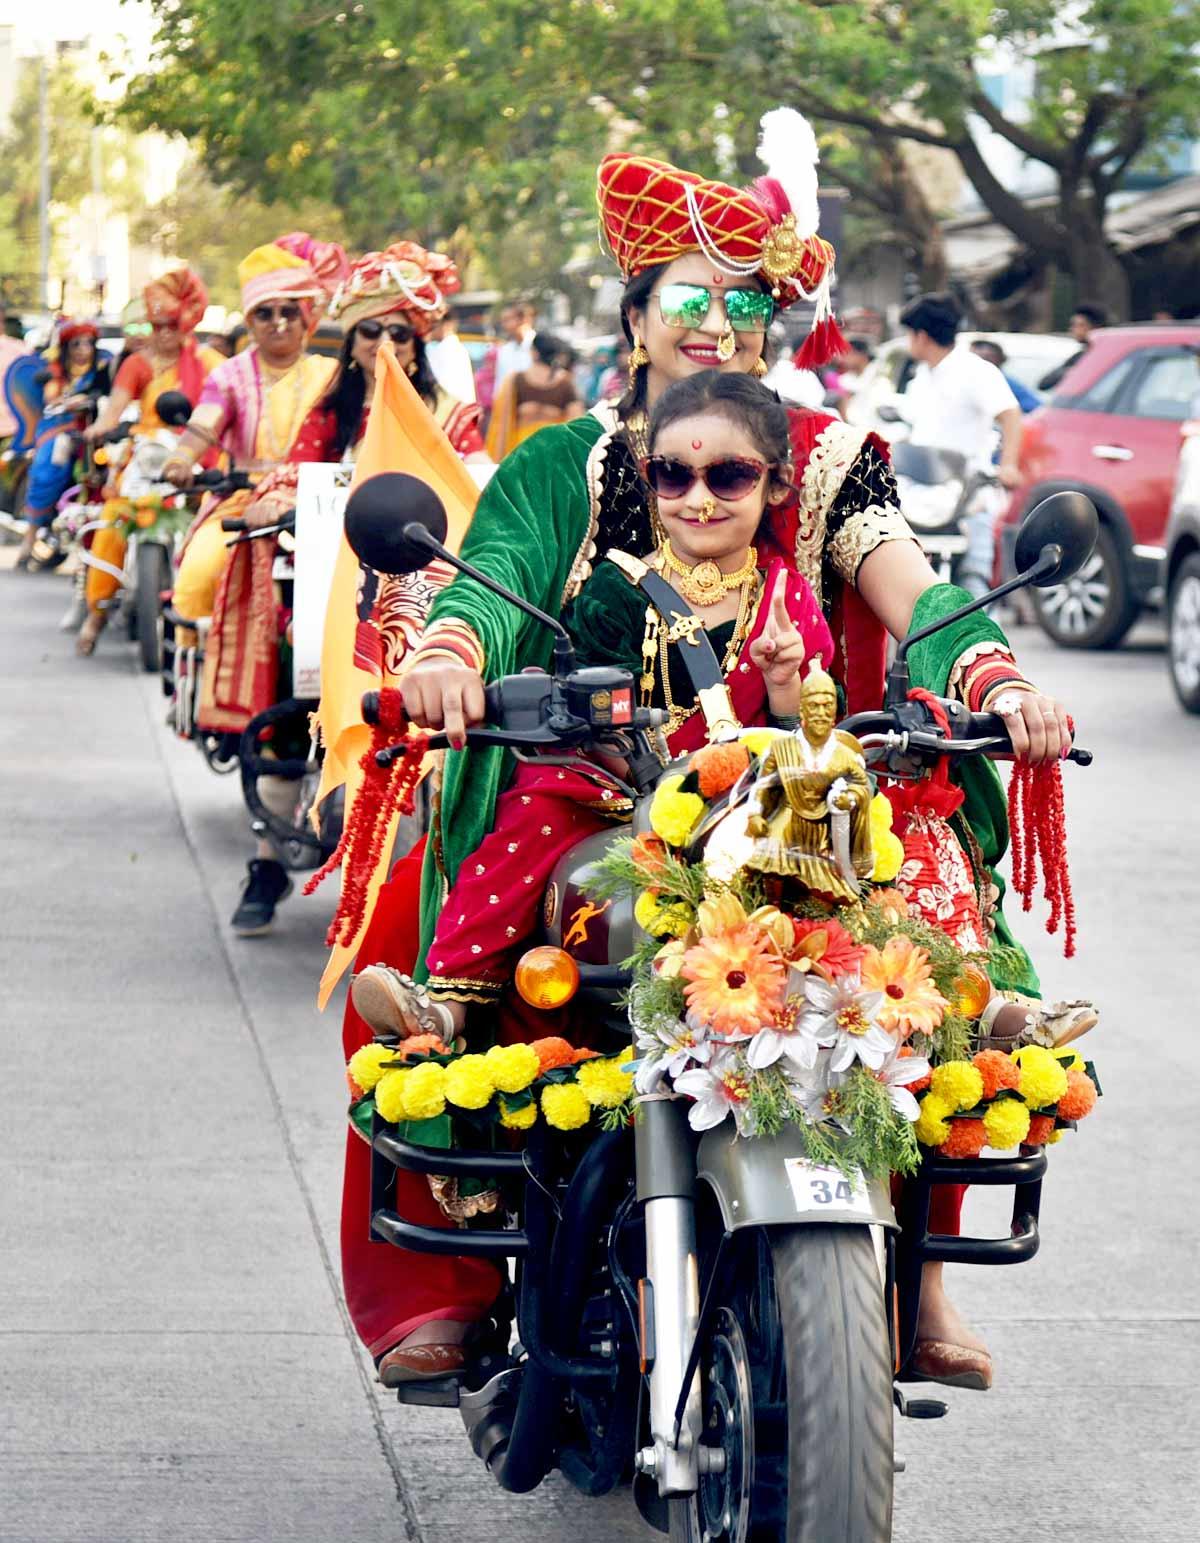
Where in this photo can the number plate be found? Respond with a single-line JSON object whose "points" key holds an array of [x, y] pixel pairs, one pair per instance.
{"points": [[818, 1189]]}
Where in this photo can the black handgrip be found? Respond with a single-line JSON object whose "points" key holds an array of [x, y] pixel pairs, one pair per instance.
{"points": [[993, 726], [370, 707], [233, 524]]}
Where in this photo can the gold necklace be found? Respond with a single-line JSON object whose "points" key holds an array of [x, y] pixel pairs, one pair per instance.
{"points": [[270, 443], [704, 583], [654, 649], [637, 431]]}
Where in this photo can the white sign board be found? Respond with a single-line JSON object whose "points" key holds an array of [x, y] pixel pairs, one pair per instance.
{"points": [[320, 504]]}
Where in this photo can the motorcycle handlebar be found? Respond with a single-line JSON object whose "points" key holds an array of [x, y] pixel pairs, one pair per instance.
{"points": [[233, 524]]}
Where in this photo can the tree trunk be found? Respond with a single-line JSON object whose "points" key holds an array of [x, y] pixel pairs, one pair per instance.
{"points": [[1098, 273], [931, 261]]}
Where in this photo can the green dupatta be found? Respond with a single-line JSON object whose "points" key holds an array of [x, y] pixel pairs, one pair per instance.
{"points": [[985, 807]]}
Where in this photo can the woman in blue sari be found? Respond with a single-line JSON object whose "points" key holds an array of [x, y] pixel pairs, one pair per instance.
{"points": [[78, 372]]}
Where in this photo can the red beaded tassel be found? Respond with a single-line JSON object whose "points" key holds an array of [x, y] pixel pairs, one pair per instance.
{"points": [[1037, 821], [385, 791]]}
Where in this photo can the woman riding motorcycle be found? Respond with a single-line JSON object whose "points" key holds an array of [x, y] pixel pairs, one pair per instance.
{"points": [[77, 371], [171, 360], [400, 293], [253, 404], [703, 263]]}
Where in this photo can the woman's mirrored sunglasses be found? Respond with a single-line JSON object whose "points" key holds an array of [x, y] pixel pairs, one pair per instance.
{"points": [[728, 479], [687, 305], [266, 314], [373, 328]]}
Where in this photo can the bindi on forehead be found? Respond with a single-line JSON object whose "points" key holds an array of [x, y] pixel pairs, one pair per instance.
{"points": [[718, 278], [697, 444]]}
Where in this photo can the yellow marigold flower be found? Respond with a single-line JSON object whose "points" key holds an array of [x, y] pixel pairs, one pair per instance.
{"points": [[759, 741], [958, 1084], [1043, 1076], [604, 1084], [720, 913], [565, 1106], [389, 1095], [888, 848], [424, 1091], [933, 1124], [512, 1067], [518, 1119], [673, 814], [366, 1065], [469, 1082], [1006, 1123], [659, 920]]}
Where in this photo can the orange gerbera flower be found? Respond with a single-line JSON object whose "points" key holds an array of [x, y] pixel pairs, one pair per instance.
{"points": [[734, 984], [911, 1002], [826, 947]]}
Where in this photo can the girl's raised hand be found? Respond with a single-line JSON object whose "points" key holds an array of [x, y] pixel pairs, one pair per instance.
{"points": [[779, 649]]}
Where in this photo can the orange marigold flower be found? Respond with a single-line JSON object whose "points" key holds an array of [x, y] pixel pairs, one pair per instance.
{"points": [[420, 1044], [826, 947], [997, 1070], [585, 1055], [911, 1002], [734, 983], [648, 853], [355, 1091], [718, 767], [967, 1138], [892, 903], [1041, 1128], [1080, 1098], [553, 1052]]}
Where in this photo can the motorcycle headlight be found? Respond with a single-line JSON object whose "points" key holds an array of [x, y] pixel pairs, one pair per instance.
{"points": [[546, 977]]}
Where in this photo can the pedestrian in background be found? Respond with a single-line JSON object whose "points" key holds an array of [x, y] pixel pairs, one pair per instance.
{"points": [[449, 360], [1085, 318], [516, 352], [532, 398], [994, 354], [956, 402]]}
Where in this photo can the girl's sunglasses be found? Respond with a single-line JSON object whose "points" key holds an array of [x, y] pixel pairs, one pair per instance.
{"points": [[373, 328], [688, 305], [266, 314], [728, 479]]}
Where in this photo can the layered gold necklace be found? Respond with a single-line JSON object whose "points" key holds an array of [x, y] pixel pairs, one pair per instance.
{"points": [[658, 637], [704, 583]]}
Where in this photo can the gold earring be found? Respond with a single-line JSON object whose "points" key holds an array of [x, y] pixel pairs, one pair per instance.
{"points": [[638, 359], [759, 368]]}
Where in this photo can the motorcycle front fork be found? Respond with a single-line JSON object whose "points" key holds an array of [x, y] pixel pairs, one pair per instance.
{"points": [[669, 1298]]}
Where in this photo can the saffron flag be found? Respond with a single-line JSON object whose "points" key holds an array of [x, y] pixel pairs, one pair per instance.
{"points": [[372, 621]]}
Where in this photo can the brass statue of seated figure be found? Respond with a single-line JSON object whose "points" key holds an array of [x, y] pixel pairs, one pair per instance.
{"points": [[810, 808]]}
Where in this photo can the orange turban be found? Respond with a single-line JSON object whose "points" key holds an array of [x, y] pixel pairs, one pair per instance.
{"points": [[178, 296], [405, 279]]}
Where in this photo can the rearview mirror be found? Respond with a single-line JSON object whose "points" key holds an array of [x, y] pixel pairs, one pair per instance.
{"points": [[173, 408], [1057, 538]]}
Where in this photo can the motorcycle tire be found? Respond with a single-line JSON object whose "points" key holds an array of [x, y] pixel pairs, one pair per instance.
{"points": [[153, 576], [832, 1441]]}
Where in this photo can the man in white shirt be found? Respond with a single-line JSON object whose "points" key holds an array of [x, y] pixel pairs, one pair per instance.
{"points": [[516, 322], [449, 359], [957, 401]]}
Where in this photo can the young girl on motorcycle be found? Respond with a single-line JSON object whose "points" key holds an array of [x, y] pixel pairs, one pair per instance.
{"points": [[719, 464]]}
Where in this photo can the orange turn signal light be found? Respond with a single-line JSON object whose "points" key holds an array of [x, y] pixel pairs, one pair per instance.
{"points": [[100, 457], [546, 977]]}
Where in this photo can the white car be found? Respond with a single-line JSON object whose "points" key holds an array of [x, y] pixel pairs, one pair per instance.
{"points": [[1030, 357]]}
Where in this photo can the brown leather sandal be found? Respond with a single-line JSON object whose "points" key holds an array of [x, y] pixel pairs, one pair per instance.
{"points": [[954, 1366], [420, 1363]]}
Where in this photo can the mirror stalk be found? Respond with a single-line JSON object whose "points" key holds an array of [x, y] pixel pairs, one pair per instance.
{"points": [[897, 682], [564, 649]]}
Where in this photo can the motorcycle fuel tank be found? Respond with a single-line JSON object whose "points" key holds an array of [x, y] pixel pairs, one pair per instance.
{"points": [[593, 931]]}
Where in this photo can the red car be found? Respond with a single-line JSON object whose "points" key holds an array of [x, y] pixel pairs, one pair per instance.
{"points": [[1111, 430]]}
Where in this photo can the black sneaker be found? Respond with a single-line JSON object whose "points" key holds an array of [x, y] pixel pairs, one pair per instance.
{"points": [[267, 883]]}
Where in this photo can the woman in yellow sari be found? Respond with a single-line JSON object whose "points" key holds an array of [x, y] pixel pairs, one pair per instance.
{"points": [[530, 399], [171, 361], [253, 404]]}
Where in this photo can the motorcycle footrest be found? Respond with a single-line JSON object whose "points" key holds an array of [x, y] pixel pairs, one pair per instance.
{"points": [[435, 1393]]}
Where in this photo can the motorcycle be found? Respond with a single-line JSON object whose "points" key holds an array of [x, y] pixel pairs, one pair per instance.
{"points": [[715, 1322], [937, 495]]}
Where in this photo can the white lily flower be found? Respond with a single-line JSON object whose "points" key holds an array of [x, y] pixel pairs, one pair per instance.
{"points": [[896, 1073], [842, 1017], [718, 1091]]}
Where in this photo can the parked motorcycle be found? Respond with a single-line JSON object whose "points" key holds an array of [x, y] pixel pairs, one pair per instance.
{"points": [[713, 1321]]}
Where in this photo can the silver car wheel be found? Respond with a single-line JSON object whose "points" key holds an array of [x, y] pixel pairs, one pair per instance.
{"points": [[1185, 634], [1076, 606]]}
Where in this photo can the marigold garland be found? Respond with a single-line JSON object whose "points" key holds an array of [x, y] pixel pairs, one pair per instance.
{"points": [[967, 1138], [1080, 1098], [1006, 1123], [565, 1106]]}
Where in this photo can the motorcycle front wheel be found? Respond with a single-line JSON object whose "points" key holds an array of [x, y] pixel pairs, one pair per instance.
{"points": [[796, 1379]]}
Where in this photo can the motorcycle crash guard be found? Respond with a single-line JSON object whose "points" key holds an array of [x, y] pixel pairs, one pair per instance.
{"points": [[768, 1181]]}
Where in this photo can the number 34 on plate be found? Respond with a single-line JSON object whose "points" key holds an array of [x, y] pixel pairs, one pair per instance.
{"points": [[819, 1189]]}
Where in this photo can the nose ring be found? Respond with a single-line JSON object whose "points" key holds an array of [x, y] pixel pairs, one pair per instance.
{"points": [[707, 509]]}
